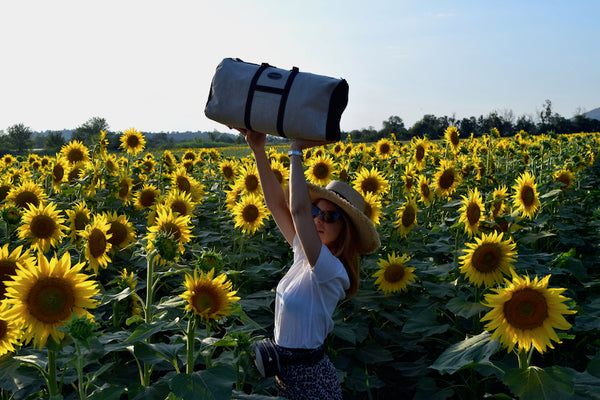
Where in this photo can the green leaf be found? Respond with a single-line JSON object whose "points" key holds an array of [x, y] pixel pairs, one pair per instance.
{"points": [[464, 308], [475, 350], [373, 353], [107, 393], [214, 383], [536, 383], [425, 323]]}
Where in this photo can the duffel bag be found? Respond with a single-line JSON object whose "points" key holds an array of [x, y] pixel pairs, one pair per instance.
{"points": [[275, 101]]}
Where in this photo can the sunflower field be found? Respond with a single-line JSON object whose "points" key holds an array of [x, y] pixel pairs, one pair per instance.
{"points": [[135, 275]]}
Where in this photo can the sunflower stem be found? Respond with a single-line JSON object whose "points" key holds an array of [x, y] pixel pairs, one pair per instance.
{"points": [[524, 359], [190, 344], [52, 386], [149, 286], [80, 385]]}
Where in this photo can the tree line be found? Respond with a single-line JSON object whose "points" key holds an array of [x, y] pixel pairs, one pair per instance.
{"points": [[20, 139]]}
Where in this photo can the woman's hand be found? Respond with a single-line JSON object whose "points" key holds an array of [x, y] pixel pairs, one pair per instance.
{"points": [[255, 140]]}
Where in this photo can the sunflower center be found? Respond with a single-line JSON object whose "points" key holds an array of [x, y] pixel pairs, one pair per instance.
{"points": [[454, 139], [486, 257], [527, 196], [564, 179], [370, 185], [251, 183], [179, 206], [419, 153], [527, 309], [344, 175], [97, 243], [473, 213], [133, 141], [184, 184], [42, 226], [7, 268], [58, 172], [118, 232], [123, 189], [51, 300], [425, 190], [394, 273], [75, 155], [73, 174], [385, 149], [205, 300], [496, 207], [147, 198], [250, 213], [3, 328], [408, 216], [81, 220], [25, 198], [171, 228], [4, 191], [446, 179], [321, 171], [227, 172]]}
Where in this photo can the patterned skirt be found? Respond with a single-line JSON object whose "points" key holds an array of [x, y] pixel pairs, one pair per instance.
{"points": [[316, 381]]}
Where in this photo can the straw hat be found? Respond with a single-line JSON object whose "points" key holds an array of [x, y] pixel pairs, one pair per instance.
{"points": [[353, 204]]}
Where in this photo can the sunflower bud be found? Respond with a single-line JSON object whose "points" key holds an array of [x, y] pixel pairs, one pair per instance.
{"points": [[166, 245], [11, 215], [81, 328]]}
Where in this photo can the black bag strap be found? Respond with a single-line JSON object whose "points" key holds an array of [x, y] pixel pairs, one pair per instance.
{"points": [[282, 103], [254, 86], [251, 90]]}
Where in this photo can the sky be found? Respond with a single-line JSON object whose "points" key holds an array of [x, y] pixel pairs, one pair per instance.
{"points": [[148, 64]]}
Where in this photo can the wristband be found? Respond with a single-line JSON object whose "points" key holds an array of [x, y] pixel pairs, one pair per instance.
{"points": [[295, 153]]}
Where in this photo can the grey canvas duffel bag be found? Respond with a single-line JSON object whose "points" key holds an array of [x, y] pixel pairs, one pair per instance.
{"points": [[275, 101]]}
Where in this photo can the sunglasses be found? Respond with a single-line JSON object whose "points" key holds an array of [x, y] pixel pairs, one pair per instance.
{"points": [[327, 216]]}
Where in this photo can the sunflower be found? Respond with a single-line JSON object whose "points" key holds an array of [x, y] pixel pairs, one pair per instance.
{"points": [[248, 179], [525, 313], [58, 172], [121, 231], [446, 179], [420, 147], [167, 223], [249, 213], [131, 305], [26, 194], [526, 198], [373, 208], [406, 216], [451, 135], [385, 148], [124, 186], [409, 178], [97, 245], [5, 186], [371, 181], [111, 164], [320, 170], [9, 262], [486, 260], [75, 152], [425, 192], [8, 160], [147, 197], [472, 211], [46, 296], [228, 169], [209, 297], [338, 149], [42, 227], [102, 144], [394, 275], [11, 331], [76, 172], [498, 207], [77, 219], [180, 202], [181, 180], [168, 159], [565, 178], [281, 172], [146, 166], [132, 141]]}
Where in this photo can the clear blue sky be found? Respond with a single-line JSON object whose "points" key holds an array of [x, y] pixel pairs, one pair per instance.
{"points": [[148, 64]]}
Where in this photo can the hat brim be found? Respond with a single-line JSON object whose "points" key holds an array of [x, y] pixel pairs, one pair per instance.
{"points": [[368, 237]]}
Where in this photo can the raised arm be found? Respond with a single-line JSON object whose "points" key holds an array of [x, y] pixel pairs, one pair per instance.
{"points": [[272, 190]]}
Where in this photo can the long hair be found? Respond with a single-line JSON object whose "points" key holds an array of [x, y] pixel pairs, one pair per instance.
{"points": [[344, 249]]}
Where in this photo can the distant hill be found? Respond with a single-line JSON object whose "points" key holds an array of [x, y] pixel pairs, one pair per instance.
{"points": [[594, 114]]}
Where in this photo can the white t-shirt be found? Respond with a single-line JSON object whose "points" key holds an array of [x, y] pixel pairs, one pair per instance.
{"points": [[306, 298]]}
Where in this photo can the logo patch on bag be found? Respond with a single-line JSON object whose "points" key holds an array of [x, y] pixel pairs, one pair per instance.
{"points": [[274, 75]]}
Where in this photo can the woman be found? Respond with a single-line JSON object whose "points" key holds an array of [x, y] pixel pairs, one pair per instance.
{"points": [[327, 229]]}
